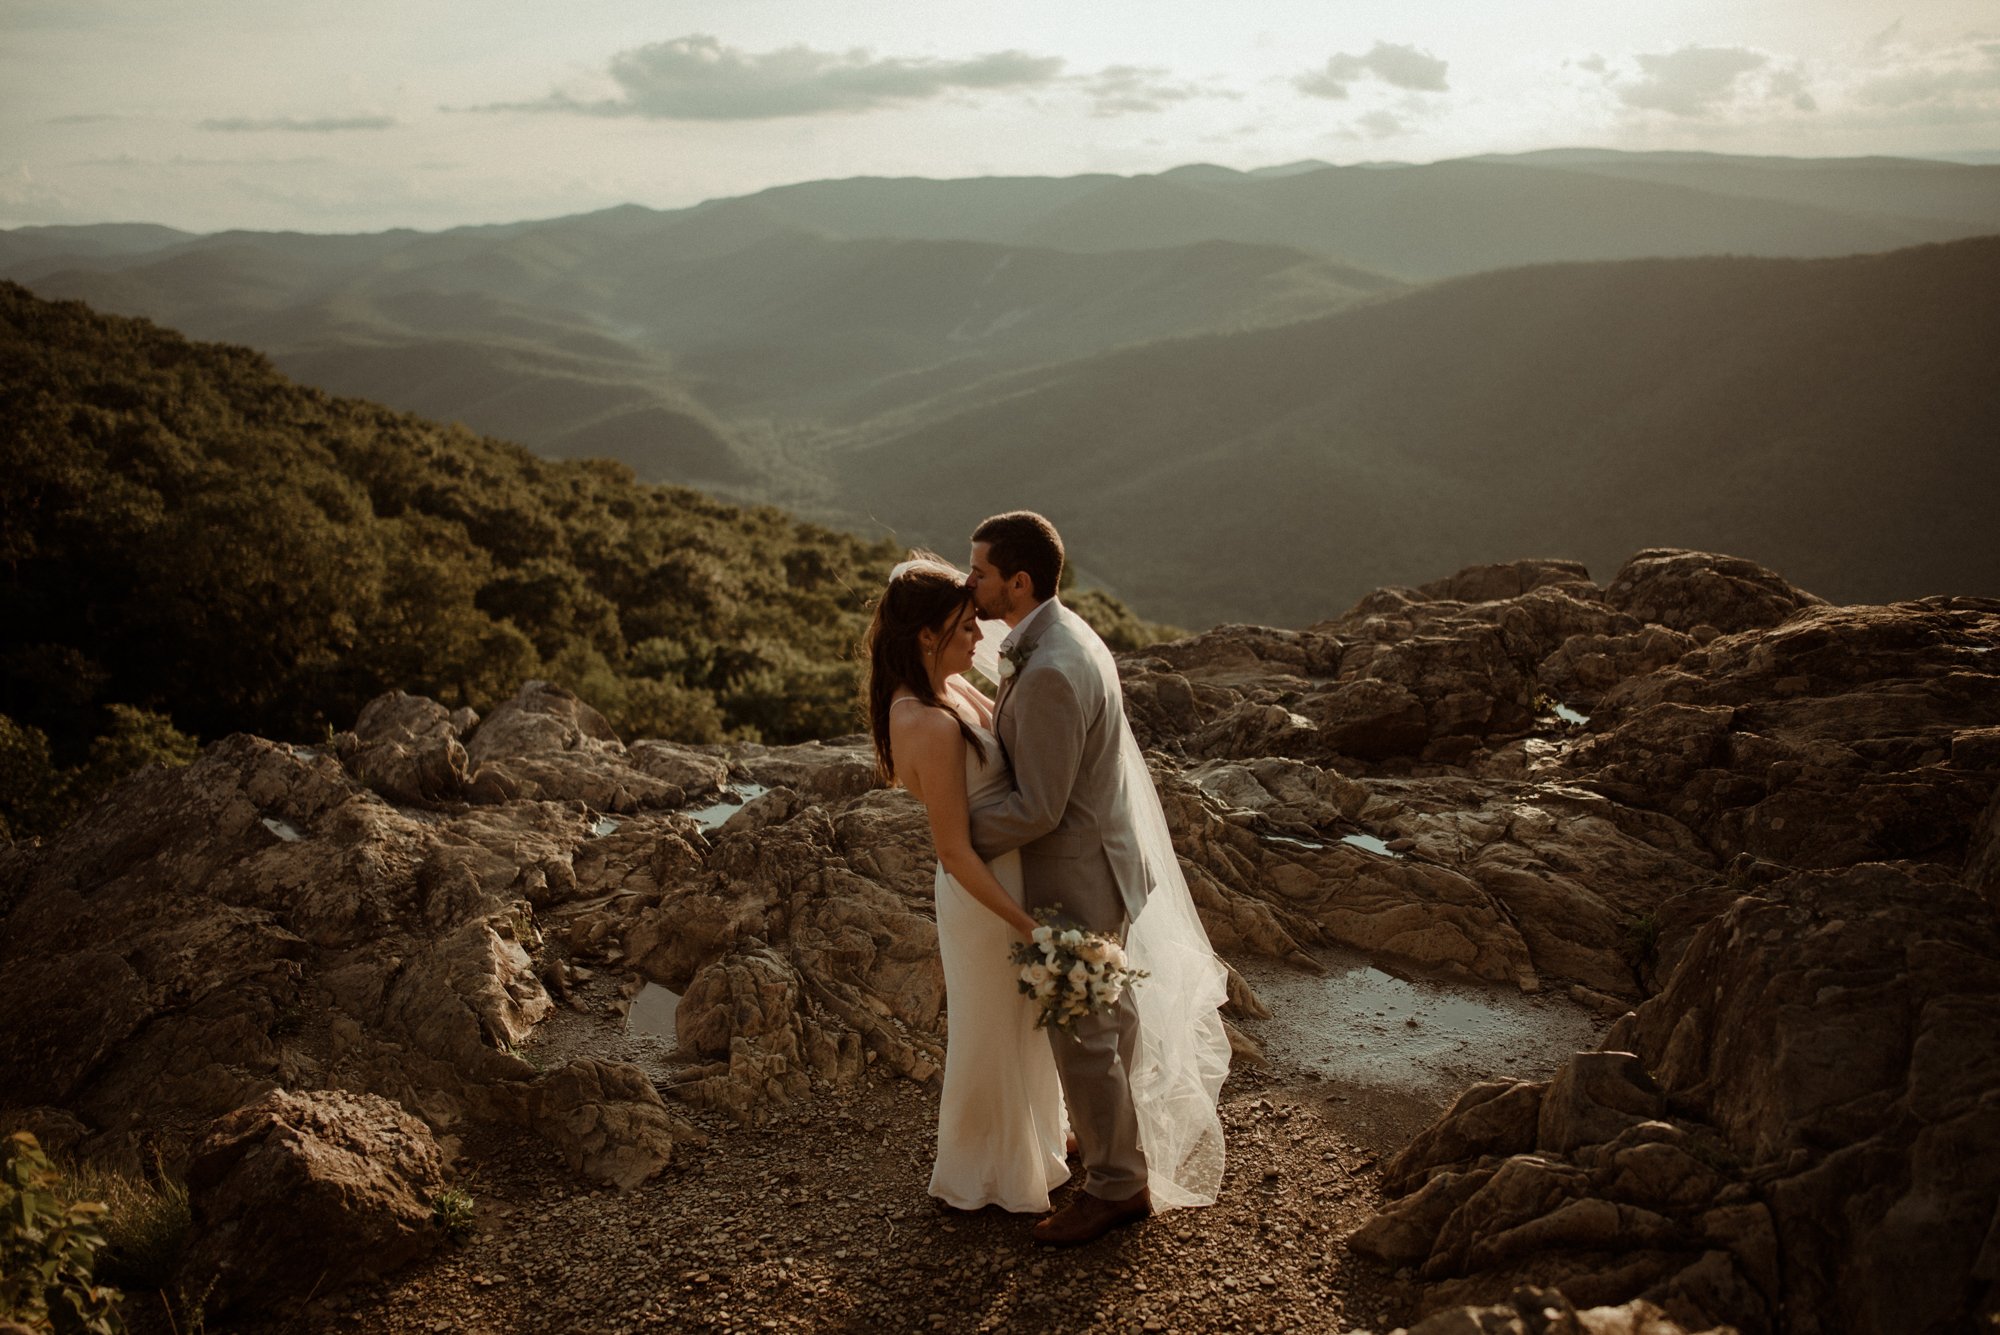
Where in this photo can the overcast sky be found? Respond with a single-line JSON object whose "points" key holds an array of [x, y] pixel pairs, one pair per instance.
{"points": [[366, 114]]}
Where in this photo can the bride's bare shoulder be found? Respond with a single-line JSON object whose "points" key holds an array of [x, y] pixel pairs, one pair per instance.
{"points": [[923, 723]]}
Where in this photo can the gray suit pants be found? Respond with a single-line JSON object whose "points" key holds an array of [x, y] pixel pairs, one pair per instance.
{"points": [[1094, 1058]]}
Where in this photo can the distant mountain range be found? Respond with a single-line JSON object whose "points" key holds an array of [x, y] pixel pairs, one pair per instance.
{"points": [[1838, 419], [786, 346]]}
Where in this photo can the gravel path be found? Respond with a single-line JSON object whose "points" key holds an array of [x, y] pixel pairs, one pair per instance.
{"points": [[819, 1222]]}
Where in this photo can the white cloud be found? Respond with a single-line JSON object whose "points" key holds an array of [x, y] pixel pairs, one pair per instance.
{"points": [[1118, 89], [1693, 81], [1961, 79], [1383, 125], [698, 78], [1399, 66]]}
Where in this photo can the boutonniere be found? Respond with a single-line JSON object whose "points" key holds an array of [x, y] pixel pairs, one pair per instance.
{"points": [[1015, 657]]}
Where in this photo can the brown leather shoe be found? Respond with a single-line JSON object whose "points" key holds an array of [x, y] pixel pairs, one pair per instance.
{"points": [[1088, 1217]]}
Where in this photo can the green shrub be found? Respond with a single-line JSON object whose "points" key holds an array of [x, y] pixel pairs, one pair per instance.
{"points": [[31, 787], [453, 1209], [145, 1225], [37, 796], [48, 1248], [1121, 630]]}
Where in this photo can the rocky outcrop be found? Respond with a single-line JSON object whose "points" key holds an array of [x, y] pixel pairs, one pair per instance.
{"points": [[1844, 735], [1439, 673], [407, 749], [304, 1191], [1776, 835], [1691, 590], [545, 744], [261, 919], [1800, 1138]]}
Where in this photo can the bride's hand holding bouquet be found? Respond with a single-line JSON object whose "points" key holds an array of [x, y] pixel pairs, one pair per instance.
{"points": [[1071, 973]]}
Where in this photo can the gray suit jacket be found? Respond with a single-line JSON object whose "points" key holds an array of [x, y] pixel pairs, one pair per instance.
{"points": [[1061, 718]]}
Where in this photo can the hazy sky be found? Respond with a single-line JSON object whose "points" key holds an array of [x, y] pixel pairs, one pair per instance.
{"points": [[367, 114]]}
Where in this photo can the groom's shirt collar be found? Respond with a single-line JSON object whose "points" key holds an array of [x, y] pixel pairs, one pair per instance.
{"points": [[1020, 632]]}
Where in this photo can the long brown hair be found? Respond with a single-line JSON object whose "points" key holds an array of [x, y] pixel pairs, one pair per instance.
{"points": [[929, 594]]}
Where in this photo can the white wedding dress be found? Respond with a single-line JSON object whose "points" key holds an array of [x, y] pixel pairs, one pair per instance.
{"points": [[1001, 1121], [1001, 1125]]}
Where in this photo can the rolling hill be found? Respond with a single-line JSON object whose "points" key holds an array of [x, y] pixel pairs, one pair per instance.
{"points": [[709, 345], [646, 338], [1225, 353], [1431, 221], [1836, 419]]}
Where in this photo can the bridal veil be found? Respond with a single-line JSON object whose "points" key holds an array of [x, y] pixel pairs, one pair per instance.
{"points": [[1183, 1056]]}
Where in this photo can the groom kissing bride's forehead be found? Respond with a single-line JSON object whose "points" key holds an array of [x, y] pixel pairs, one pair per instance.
{"points": [[1017, 563], [1043, 815], [1139, 1077]]}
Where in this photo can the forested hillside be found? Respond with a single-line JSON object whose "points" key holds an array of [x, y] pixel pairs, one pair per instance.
{"points": [[188, 535]]}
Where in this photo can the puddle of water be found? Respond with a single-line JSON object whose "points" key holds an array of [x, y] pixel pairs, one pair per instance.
{"points": [[605, 825], [1371, 843], [1568, 715], [285, 830], [652, 1013], [1295, 843], [731, 802], [1363, 1026]]}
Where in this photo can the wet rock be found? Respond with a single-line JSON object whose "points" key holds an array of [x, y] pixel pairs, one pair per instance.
{"points": [[306, 1191]]}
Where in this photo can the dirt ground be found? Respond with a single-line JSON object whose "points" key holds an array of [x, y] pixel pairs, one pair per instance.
{"points": [[819, 1221]]}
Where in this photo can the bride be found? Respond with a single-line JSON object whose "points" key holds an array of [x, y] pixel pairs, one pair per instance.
{"points": [[1001, 1119]]}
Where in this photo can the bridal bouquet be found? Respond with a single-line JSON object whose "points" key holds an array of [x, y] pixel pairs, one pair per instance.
{"points": [[1071, 973]]}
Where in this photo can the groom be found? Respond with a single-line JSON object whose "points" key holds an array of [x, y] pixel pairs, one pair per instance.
{"points": [[1061, 718]]}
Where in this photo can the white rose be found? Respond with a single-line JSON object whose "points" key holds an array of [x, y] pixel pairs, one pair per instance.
{"points": [[1042, 934], [1038, 974], [1114, 954], [1006, 668], [1093, 950], [1071, 939], [1078, 973]]}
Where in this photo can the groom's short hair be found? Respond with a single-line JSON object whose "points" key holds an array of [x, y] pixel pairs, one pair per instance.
{"points": [[1023, 540]]}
